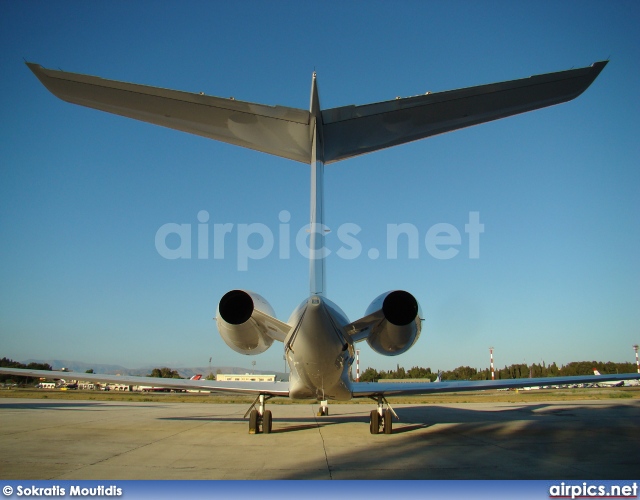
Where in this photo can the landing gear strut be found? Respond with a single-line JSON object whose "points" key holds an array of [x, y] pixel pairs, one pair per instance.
{"points": [[323, 411], [259, 418], [380, 419]]}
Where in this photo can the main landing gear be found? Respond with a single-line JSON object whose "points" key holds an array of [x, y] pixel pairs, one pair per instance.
{"points": [[380, 420], [259, 419]]}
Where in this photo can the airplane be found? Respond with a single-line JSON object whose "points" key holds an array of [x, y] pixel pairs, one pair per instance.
{"points": [[607, 384], [161, 388], [318, 338]]}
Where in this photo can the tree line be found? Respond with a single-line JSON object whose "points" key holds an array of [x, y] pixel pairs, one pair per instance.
{"points": [[9, 363], [508, 372], [164, 372]]}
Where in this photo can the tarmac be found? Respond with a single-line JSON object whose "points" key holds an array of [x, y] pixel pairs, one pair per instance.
{"points": [[57, 440]]}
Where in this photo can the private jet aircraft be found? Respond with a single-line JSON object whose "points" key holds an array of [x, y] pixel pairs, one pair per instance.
{"points": [[318, 338]]}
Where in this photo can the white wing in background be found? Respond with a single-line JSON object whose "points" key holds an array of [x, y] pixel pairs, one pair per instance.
{"points": [[365, 389], [267, 388]]}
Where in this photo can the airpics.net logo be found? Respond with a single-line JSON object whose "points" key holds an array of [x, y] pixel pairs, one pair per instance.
{"points": [[258, 241], [586, 490]]}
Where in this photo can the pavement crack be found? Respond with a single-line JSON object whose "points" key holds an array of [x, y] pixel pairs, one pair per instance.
{"points": [[324, 447], [115, 455]]}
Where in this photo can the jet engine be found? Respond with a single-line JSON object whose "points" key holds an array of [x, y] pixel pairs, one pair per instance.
{"points": [[241, 324], [399, 325]]}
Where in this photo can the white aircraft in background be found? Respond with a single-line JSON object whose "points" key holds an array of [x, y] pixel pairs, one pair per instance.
{"points": [[614, 383], [318, 338]]}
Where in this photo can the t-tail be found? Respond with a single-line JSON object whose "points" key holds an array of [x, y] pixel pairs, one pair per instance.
{"points": [[317, 228]]}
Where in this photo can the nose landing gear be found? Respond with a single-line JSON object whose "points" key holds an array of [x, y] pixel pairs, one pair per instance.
{"points": [[323, 411]]}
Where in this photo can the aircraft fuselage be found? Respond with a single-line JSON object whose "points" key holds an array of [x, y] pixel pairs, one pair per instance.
{"points": [[318, 352]]}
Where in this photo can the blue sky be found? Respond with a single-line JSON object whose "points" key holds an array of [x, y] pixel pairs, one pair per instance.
{"points": [[83, 193]]}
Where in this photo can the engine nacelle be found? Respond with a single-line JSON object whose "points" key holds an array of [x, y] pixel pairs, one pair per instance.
{"points": [[238, 325], [400, 323]]}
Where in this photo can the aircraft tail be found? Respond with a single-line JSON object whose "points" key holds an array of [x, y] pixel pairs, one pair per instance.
{"points": [[316, 219], [317, 136]]}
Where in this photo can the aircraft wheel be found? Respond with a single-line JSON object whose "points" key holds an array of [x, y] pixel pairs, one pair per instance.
{"points": [[266, 422], [253, 422], [387, 423], [374, 423]]}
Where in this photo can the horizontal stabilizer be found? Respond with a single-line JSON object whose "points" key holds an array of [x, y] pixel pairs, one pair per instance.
{"points": [[276, 130], [345, 132], [354, 130]]}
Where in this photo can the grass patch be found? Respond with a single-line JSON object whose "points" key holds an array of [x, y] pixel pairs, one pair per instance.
{"points": [[621, 395]]}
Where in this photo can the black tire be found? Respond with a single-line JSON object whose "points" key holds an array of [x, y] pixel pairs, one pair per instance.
{"points": [[266, 422], [326, 411], [374, 423], [387, 423], [253, 422]]}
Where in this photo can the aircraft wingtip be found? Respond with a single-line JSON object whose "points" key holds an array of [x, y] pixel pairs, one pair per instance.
{"points": [[32, 66]]}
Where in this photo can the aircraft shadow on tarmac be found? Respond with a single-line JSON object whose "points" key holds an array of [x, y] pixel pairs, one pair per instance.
{"points": [[292, 424], [411, 417], [417, 417], [502, 441], [506, 442], [596, 440]]}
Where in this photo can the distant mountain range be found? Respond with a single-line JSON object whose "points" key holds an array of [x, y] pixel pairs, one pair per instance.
{"points": [[187, 372]]}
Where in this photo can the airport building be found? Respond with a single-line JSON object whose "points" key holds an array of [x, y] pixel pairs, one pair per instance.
{"points": [[405, 380], [247, 377]]}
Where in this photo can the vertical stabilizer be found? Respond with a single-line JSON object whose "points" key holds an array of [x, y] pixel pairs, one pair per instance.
{"points": [[317, 228]]}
